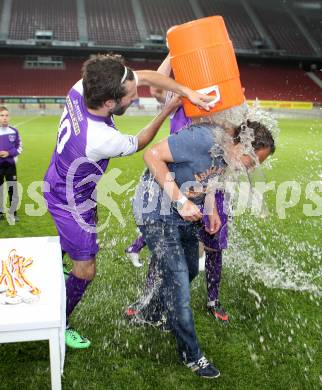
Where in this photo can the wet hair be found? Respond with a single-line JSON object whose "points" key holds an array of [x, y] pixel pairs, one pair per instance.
{"points": [[103, 79], [262, 136], [3, 108]]}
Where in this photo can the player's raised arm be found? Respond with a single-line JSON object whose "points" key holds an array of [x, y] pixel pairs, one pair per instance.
{"points": [[158, 80], [146, 135], [165, 68]]}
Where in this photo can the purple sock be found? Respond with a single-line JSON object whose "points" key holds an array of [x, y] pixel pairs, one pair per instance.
{"points": [[75, 289], [136, 246], [213, 273]]}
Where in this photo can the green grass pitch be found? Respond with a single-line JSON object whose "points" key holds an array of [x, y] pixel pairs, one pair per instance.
{"points": [[271, 287]]}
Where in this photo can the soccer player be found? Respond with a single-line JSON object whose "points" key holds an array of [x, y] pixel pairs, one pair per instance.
{"points": [[10, 148], [181, 166], [87, 139]]}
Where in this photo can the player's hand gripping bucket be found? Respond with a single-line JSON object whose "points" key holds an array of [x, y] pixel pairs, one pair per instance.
{"points": [[203, 58]]}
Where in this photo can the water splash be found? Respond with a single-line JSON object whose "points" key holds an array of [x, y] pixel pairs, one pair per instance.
{"points": [[257, 114], [273, 272]]}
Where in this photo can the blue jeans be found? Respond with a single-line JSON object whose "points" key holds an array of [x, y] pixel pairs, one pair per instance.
{"points": [[175, 250]]}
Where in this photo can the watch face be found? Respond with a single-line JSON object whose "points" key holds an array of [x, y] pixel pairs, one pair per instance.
{"points": [[179, 206]]}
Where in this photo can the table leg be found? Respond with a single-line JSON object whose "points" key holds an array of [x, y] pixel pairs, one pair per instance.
{"points": [[55, 360]]}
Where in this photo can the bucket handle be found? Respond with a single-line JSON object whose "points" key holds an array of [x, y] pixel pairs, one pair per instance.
{"points": [[207, 90]]}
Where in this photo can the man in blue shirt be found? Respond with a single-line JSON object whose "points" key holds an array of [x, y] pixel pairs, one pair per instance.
{"points": [[167, 208]]}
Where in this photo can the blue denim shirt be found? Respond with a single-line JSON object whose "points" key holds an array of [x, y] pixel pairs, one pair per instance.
{"points": [[192, 167]]}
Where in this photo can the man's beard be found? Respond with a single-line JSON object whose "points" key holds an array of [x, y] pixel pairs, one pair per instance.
{"points": [[119, 110]]}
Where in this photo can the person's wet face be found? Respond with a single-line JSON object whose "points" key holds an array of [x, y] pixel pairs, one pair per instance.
{"points": [[261, 154], [127, 100]]}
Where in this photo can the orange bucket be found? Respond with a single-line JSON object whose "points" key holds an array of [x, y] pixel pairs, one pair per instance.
{"points": [[203, 58]]}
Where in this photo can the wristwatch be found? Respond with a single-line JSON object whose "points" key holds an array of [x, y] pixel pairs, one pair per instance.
{"points": [[178, 204]]}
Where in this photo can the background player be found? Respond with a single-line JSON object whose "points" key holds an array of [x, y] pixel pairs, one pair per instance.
{"points": [[10, 148]]}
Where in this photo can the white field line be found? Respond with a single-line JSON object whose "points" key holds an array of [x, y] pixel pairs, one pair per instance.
{"points": [[26, 121]]}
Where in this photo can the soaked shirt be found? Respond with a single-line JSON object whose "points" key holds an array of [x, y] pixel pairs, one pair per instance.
{"points": [[193, 166], [85, 143]]}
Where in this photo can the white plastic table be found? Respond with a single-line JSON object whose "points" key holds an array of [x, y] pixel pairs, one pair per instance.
{"points": [[44, 319]]}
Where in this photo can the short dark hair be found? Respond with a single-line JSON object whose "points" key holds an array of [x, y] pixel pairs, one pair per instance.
{"points": [[102, 76], [262, 136], [3, 108]]}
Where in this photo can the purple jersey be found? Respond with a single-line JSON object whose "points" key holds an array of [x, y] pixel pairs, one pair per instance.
{"points": [[11, 143], [85, 143], [178, 120]]}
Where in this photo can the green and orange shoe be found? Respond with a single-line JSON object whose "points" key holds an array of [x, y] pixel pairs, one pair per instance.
{"points": [[65, 271], [74, 340], [217, 311]]}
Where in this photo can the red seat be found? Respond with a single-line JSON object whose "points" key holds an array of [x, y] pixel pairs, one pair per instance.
{"points": [[58, 16], [111, 22]]}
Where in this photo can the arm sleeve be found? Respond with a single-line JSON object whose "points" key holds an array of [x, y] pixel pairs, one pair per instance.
{"points": [[114, 144], [121, 145], [186, 144], [17, 148]]}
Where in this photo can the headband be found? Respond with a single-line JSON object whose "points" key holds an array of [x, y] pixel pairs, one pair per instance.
{"points": [[124, 75]]}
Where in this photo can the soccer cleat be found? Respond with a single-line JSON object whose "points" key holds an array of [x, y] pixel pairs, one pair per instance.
{"points": [[11, 219], [130, 312], [135, 259], [2, 216], [65, 271], [217, 311], [74, 340], [203, 368]]}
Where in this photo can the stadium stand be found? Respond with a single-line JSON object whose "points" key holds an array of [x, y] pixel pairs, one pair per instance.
{"points": [[318, 73], [276, 82], [120, 29], [245, 21], [242, 30], [16, 81], [267, 82], [283, 30], [58, 16], [312, 19], [163, 14]]}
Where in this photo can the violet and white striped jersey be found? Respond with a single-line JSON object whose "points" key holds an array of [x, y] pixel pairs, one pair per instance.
{"points": [[85, 143]]}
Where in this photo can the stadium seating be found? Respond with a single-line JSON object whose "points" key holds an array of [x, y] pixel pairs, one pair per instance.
{"points": [[16, 81], [318, 73], [276, 82], [312, 20], [113, 22], [58, 16], [282, 28], [162, 14], [263, 81], [242, 30], [118, 28]]}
